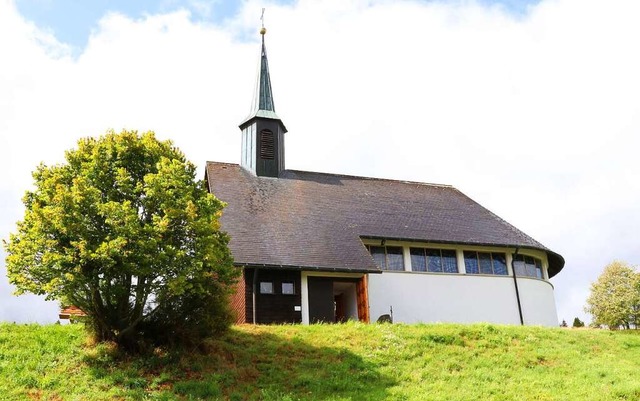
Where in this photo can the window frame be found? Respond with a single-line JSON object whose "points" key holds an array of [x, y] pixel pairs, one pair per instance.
{"points": [[260, 288], [523, 270], [480, 265], [293, 288], [497, 261], [427, 269], [386, 257]]}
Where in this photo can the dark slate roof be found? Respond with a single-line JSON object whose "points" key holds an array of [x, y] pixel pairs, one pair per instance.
{"points": [[316, 220]]}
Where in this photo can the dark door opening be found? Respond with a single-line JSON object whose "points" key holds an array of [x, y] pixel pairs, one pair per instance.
{"points": [[333, 300], [321, 308]]}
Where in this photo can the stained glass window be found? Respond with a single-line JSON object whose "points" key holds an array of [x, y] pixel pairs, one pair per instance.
{"points": [[418, 260], [379, 256], [471, 262], [387, 257], [528, 266], [395, 258], [433, 260], [449, 262], [485, 263], [499, 264]]}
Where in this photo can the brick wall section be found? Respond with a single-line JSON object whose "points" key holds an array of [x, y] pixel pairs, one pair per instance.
{"points": [[237, 300]]}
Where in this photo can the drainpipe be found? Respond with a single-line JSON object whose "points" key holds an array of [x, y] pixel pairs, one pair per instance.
{"points": [[253, 293], [515, 284]]}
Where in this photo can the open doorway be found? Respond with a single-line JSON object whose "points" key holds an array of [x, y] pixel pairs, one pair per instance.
{"points": [[345, 301], [336, 300]]}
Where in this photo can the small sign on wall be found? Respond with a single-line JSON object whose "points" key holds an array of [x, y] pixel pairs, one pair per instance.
{"points": [[297, 308]]}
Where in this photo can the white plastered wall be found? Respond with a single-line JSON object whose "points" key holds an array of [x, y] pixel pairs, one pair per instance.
{"points": [[461, 298], [538, 302], [429, 297]]}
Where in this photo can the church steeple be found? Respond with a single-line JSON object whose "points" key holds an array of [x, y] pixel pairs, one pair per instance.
{"points": [[264, 95], [263, 131]]}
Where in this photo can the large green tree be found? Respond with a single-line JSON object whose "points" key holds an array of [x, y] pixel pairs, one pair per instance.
{"points": [[614, 300], [124, 231]]}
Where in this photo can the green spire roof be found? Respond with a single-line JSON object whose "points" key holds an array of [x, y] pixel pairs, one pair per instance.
{"points": [[264, 94], [263, 105]]}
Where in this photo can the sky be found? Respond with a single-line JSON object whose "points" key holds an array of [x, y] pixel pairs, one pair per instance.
{"points": [[531, 108]]}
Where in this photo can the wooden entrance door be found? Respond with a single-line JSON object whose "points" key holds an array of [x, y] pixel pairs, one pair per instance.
{"points": [[321, 304]]}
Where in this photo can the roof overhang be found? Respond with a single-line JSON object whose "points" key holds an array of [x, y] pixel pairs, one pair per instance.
{"points": [[263, 114], [312, 268]]}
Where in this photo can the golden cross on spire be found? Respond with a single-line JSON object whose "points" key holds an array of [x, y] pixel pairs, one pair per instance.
{"points": [[263, 30]]}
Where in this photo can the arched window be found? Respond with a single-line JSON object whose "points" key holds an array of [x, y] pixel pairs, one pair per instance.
{"points": [[267, 144]]}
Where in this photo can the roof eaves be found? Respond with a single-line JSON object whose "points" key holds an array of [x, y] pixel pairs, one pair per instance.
{"points": [[315, 268]]}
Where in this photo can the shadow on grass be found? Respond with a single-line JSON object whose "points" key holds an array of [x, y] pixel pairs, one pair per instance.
{"points": [[243, 365]]}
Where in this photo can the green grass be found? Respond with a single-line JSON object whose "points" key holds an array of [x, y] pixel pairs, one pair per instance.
{"points": [[334, 362]]}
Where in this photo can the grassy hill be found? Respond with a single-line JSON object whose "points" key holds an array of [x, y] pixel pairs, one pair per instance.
{"points": [[334, 362]]}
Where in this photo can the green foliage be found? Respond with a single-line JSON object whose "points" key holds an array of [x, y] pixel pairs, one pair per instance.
{"points": [[615, 297], [124, 231], [350, 361], [577, 322]]}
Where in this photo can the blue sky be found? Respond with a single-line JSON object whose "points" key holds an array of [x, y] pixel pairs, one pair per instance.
{"points": [[72, 21]]}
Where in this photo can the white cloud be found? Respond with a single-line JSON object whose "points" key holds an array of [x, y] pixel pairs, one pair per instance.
{"points": [[534, 116]]}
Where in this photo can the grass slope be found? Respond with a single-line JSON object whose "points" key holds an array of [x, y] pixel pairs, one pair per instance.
{"points": [[333, 362]]}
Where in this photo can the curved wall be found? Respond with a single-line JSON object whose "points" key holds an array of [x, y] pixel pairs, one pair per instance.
{"points": [[457, 298]]}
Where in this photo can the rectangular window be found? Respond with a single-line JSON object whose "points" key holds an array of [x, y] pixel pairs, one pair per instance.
{"points": [[387, 257], [527, 266], [379, 256], [418, 260], [288, 288], [395, 258], [500, 264], [471, 262], [449, 261], [538, 268], [485, 263], [433, 260], [266, 287]]}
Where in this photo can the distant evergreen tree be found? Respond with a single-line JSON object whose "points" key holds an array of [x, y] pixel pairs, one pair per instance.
{"points": [[578, 323]]}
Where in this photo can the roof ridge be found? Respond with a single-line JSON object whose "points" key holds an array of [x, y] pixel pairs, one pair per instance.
{"points": [[373, 178], [431, 184]]}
